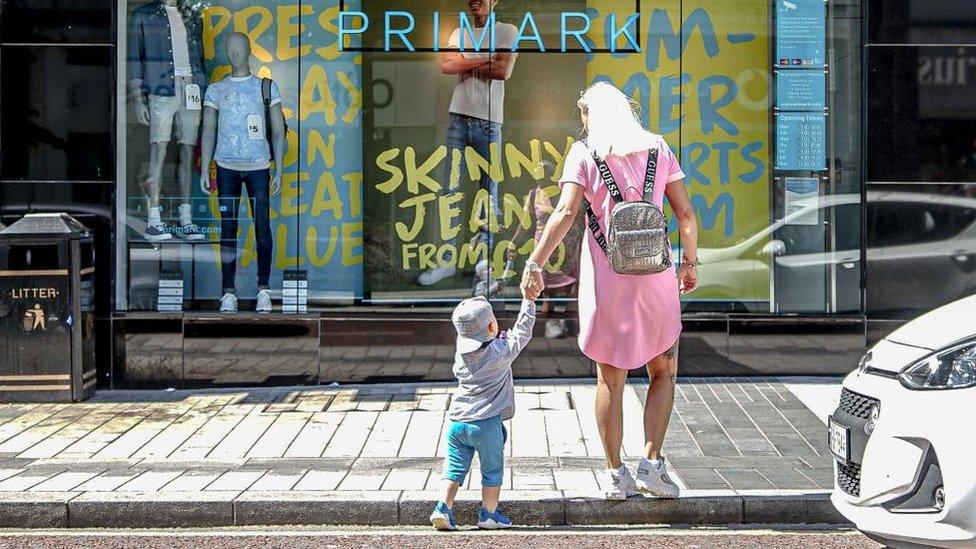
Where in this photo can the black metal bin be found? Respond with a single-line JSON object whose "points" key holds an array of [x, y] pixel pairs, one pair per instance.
{"points": [[47, 317]]}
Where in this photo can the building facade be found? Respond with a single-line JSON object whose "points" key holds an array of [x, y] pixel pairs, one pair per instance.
{"points": [[826, 148]]}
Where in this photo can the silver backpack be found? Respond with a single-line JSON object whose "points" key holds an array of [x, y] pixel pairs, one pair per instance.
{"points": [[637, 241]]}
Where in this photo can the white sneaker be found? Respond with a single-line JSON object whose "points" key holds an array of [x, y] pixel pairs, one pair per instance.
{"points": [[228, 303], [433, 276], [264, 302], [620, 485], [188, 229], [555, 328], [654, 480]]}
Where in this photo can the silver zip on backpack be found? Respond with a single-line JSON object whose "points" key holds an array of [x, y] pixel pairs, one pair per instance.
{"points": [[637, 232]]}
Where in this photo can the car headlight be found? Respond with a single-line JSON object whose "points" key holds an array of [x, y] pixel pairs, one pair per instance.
{"points": [[952, 368], [862, 365]]}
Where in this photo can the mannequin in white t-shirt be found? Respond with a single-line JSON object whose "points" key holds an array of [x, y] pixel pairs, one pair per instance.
{"points": [[477, 107]]}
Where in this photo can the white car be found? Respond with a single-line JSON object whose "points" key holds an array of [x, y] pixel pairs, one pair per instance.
{"points": [[902, 441], [921, 254]]}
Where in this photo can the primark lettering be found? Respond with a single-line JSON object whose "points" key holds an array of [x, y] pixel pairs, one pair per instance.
{"points": [[573, 29]]}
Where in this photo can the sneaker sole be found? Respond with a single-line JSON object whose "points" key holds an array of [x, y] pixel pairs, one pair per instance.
{"points": [[660, 495], [158, 238], [442, 524], [432, 282], [493, 526]]}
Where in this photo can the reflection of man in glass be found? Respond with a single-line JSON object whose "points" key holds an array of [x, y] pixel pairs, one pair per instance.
{"points": [[475, 117]]}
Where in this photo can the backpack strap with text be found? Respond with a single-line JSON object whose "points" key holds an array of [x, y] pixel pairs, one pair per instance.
{"points": [[607, 176]]}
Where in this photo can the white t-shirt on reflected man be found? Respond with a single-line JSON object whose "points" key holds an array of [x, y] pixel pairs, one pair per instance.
{"points": [[177, 36], [474, 96]]}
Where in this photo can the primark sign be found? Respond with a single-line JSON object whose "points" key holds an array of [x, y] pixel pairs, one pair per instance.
{"points": [[620, 33]]}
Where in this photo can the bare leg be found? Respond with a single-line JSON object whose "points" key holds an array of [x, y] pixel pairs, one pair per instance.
{"points": [[662, 372], [184, 172], [157, 154], [450, 491], [610, 383], [489, 497]]}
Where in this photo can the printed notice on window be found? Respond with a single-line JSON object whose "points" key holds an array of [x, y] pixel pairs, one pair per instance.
{"points": [[801, 27], [801, 141], [801, 90], [802, 207]]}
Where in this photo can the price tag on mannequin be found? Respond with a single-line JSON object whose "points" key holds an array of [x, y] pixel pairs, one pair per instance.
{"points": [[255, 126], [192, 94]]}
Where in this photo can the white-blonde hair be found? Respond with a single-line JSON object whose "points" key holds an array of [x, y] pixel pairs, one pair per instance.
{"points": [[612, 124]]}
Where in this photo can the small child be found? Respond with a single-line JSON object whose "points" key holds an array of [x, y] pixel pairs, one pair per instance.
{"points": [[484, 398]]}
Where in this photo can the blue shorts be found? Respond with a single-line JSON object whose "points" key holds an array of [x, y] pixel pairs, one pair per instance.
{"points": [[487, 437]]}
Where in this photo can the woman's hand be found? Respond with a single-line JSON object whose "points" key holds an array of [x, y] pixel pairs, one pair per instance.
{"points": [[687, 278], [532, 284]]}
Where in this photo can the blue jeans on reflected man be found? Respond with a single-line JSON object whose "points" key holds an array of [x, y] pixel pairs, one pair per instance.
{"points": [[464, 131]]}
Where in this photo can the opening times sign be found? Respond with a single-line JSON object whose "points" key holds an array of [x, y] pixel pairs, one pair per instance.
{"points": [[801, 44], [801, 141]]}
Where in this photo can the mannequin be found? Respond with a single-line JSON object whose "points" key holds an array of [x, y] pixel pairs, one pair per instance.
{"points": [[166, 83], [234, 120]]}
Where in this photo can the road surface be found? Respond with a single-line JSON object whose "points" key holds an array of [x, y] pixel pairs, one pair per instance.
{"points": [[569, 538]]}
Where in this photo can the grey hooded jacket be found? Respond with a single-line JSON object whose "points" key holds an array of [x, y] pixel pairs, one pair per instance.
{"points": [[485, 386]]}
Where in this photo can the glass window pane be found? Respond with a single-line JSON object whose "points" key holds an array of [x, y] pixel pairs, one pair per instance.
{"points": [[921, 22], [56, 123], [57, 21], [920, 247], [215, 226], [410, 180], [922, 96]]}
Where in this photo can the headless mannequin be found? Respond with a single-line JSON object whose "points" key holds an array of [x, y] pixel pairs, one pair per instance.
{"points": [[152, 184], [239, 54]]}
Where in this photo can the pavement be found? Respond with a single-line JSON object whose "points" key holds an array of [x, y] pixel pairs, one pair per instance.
{"points": [[744, 450]]}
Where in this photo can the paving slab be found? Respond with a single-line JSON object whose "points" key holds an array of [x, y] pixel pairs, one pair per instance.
{"points": [[373, 508], [34, 509], [152, 509], [743, 450]]}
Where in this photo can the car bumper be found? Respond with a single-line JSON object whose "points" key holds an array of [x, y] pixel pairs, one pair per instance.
{"points": [[919, 441]]}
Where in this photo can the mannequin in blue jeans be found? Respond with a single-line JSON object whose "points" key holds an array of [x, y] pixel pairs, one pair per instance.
{"points": [[234, 120], [230, 183]]}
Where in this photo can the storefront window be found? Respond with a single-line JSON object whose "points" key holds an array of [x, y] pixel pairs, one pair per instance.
{"points": [[412, 176]]}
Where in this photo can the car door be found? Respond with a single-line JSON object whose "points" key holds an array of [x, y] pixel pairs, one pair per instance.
{"points": [[921, 255]]}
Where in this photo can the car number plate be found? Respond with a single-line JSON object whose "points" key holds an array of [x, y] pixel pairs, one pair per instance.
{"points": [[839, 437]]}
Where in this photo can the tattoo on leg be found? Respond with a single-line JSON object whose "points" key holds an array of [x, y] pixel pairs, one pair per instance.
{"points": [[672, 352]]}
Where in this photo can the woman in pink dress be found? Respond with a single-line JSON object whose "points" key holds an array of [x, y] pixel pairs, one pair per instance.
{"points": [[626, 321]]}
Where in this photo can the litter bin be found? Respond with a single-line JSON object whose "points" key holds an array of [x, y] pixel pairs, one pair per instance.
{"points": [[47, 317]]}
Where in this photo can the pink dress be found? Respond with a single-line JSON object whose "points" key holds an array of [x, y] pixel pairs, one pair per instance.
{"points": [[625, 320]]}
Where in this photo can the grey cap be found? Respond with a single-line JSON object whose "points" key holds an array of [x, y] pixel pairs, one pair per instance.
{"points": [[471, 319]]}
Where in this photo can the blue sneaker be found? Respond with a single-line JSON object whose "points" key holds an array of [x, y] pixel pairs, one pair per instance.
{"points": [[443, 517], [492, 521]]}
